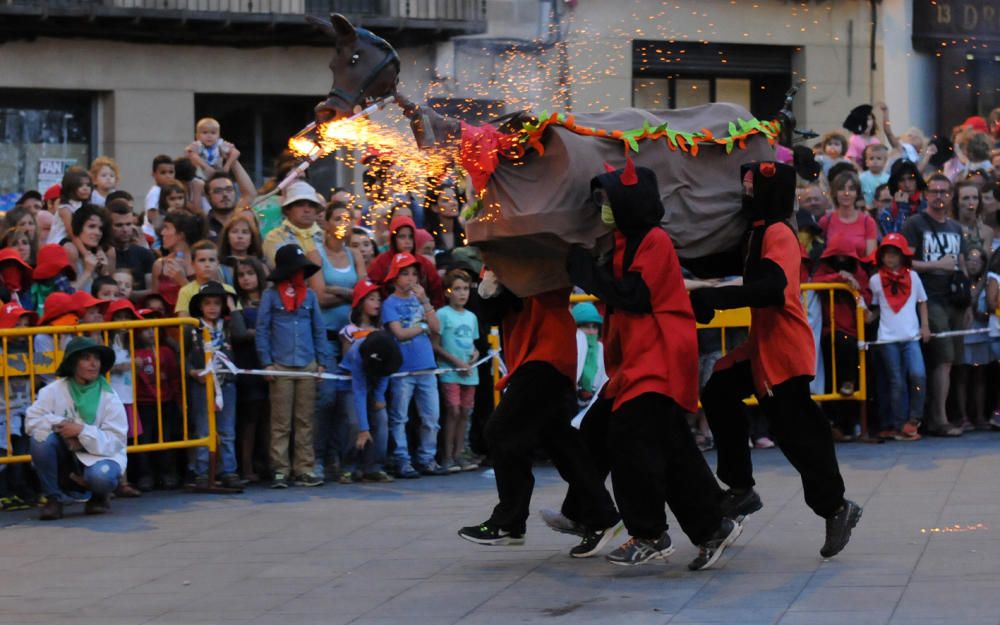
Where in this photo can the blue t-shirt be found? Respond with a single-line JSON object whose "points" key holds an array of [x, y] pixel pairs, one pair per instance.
{"points": [[418, 353], [458, 331]]}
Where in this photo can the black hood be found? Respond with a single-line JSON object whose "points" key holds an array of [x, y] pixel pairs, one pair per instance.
{"points": [[637, 208], [773, 197]]}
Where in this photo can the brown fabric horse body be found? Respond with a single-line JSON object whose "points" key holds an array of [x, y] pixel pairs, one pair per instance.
{"points": [[536, 206]]}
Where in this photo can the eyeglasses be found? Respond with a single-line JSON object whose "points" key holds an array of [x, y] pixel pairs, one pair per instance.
{"points": [[938, 191], [222, 190]]}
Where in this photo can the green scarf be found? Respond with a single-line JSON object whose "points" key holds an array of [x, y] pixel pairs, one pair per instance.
{"points": [[87, 397], [39, 291], [589, 364]]}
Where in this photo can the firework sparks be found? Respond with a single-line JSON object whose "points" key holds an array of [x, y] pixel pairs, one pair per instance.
{"points": [[954, 529]]}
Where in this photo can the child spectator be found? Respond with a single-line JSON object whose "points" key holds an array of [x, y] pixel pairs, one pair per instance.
{"points": [[163, 174], [401, 241], [52, 274], [209, 152], [992, 305], [369, 362], [211, 306], [15, 491], [291, 336], [907, 187], [173, 197], [454, 346], [875, 173], [252, 402], [125, 281], [105, 175], [861, 123], [971, 368], [205, 259], [423, 242], [121, 378], [590, 373], [158, 388], [75, 192], [15, 278], [900, 304], [171, 272], [105, 288], [410, 317], [833, 145], [186, 173], [361, 240]]}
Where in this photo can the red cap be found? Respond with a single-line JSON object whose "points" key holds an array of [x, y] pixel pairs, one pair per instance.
{"points": [[977, 123], [421, 237], [84, 300], [400, 262], [119, 305], [149, 313], [10, 313], [52, 259], [896, 240], [362, 290], [53, 192], [58, 304]]}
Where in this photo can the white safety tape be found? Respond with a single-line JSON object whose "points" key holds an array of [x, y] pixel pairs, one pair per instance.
{"points": [[939, 335]]}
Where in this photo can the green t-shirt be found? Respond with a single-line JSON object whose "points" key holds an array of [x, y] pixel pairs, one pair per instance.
{"points": [[458, 331]]}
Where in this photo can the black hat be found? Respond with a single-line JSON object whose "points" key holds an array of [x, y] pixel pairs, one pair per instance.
{"points": [[945, 151], [289, 259], [805, 220], [840, 168], [209, 289], [80, 345], [805, 163], [857, 121], [901, 168], [380, 355]]}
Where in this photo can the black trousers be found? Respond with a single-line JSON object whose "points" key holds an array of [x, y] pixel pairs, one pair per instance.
{"points": [[655, 459], [595, 432], [797, 425], [534, 411]]}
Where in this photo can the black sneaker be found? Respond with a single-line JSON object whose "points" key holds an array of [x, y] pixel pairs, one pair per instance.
{"points": [[637, 551], [280, 480], [711, 550], [559, 522], [838, 528], [486, 534], [595, 541], [737, 505], [98, 504]]}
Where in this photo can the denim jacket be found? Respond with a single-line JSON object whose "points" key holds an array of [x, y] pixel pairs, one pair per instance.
{"points": [[889, 223], [291, 339]]}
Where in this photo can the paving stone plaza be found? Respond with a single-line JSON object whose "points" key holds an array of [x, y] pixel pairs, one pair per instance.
{"points": [[926, 552]]}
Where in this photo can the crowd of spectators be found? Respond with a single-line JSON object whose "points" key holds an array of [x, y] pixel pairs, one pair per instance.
{"points": [[292, 281]]}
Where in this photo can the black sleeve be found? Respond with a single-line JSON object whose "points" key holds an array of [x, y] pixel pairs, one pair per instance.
{"points": [[494, 309], [629, 294], [765, 288]]}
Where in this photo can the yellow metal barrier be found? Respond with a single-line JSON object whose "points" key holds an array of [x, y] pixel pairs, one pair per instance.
{"points": [[34, 365]]}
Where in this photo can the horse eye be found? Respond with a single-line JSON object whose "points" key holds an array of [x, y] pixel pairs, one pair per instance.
{"points": [[355, 58]]}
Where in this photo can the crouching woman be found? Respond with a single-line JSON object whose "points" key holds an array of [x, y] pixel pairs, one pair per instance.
{"points": [[77, 427]]}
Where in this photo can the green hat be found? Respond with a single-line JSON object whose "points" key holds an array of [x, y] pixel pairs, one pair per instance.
{"points": [[78, 346], [470, 256], [586, 312]]}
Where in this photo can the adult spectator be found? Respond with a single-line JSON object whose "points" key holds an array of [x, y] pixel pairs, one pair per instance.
{"points": [[939, 252], [846, 222], [126, 238], [222, 200], [342, 268], [91, 226], [268, 208], [441, 210], [812, 198], [77, 427], [300, 208]]}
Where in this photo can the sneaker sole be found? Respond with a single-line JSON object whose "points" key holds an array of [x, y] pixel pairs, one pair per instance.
{"points": [[733, 535], [561, 530], [612, 532], [494, 542], [661, 555]]}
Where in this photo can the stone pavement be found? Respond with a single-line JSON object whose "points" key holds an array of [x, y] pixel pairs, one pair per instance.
{"points": [[388, 555]]}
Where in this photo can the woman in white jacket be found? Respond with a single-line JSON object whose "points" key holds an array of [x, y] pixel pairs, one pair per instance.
{"points": [[77, 426]]}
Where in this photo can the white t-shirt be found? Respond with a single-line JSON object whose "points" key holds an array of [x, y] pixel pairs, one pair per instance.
{"points": [[905, 324], [153, 198]]}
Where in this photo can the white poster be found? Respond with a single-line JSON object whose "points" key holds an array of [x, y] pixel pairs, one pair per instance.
{"points": [[51, 170]]}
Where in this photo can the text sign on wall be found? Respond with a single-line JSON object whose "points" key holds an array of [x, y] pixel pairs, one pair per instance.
{"points": [[938, 20]]}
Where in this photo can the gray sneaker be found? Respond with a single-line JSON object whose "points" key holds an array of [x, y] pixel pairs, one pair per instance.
{"points": [[637, 551], [280, 480], [559, 522], [711, 550], [308, 479]]}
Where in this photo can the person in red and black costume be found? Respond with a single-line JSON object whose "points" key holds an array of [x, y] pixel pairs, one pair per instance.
{"points": [[776, 364], [651, 357], [539, 338]]}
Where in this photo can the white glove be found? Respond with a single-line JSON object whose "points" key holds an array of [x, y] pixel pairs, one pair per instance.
{"points": [[488, 285]]}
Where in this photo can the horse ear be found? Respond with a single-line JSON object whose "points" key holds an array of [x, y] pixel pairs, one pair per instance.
{"points": [[322, 25], [344, 29]]}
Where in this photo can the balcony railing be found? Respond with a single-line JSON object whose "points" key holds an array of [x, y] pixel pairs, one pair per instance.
{"points": [[235, 22]]}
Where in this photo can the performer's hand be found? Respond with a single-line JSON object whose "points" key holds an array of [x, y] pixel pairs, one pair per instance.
{"points": [[701, 303], [363, 439], [489, 286], [580, 266]]}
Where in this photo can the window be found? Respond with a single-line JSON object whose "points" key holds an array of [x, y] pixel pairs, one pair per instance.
{"points": [[41, 134]]}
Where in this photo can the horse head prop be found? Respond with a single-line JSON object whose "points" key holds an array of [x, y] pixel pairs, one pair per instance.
{"points": [[365, 68]]}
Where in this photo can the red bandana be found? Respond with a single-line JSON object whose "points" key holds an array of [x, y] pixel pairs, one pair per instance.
{"points": [[11, 274], [293, 291], [896, 286]]}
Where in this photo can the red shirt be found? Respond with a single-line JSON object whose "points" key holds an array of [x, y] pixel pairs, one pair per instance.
{"points": [[654, 352], [780, 346], [145, 373], [543, 330]]}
